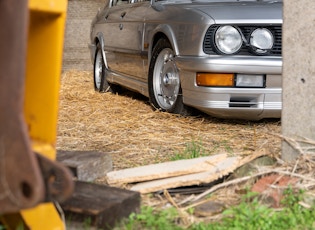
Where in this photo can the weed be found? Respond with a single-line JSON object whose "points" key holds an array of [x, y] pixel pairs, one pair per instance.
{"points": [[249, 214], [191, 211], [292, 198], [222, 144], [87, 223], [246, 215], [253, 215], [227, 147], [150, 219], [193, 149]]}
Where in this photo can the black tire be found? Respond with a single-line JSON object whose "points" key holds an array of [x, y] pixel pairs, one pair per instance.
{"points": [[100, 71], [165, 92]]}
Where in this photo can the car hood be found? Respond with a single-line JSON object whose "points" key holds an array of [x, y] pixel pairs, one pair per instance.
{"points": [[241, 11]]}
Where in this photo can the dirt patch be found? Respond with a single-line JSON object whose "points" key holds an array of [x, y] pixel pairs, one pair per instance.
{"points": [[126, 127]]}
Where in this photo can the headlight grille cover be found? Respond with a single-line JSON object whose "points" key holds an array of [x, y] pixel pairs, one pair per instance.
{"points": [[210, 48]]}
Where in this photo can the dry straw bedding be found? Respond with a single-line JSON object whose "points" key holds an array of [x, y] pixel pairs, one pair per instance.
{"points": [[126, 127]]}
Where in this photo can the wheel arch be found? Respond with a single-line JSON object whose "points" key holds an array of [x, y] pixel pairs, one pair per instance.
{"points": [[99, 39], [163, 31]]}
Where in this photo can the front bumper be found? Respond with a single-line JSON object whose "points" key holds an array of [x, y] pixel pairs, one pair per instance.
{"points": [[232, 102]]}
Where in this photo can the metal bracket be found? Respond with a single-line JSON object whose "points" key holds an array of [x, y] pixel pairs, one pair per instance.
{"points": [[57, 178]]}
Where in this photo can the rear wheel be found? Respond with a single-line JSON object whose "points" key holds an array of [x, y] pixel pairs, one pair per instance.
{"points": [[164, 83]]}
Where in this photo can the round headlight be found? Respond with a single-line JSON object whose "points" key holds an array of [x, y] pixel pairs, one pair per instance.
{"points": [[228, 39], [262, 40]]}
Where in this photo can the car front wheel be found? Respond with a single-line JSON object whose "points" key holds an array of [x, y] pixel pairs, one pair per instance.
{"points": [[164, 82]]}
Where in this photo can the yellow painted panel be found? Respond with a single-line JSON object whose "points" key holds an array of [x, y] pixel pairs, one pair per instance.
{"points": [[43, 217], [43, 70], [42, 82], [51, 6], [45, 149]]}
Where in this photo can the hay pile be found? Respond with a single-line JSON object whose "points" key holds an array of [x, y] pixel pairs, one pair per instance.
{"points": [[126, 127]]}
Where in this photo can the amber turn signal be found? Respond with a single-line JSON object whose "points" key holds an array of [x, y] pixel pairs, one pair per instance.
{"points": [[215, 79]]}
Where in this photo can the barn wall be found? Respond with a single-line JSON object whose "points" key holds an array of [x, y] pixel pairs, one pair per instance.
{"points": [[79, 16]]}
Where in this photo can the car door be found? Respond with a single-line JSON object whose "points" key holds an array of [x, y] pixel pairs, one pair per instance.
{"points": [[123, 37]]}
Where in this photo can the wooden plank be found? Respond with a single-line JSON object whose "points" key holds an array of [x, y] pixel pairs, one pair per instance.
{"points": [[221, 169], [164, 170], [217, 171], [86, 165], [102, 205]]}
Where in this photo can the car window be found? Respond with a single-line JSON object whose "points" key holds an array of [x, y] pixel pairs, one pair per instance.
{"points": [[134, 1], [118, 2], [122, 2]]}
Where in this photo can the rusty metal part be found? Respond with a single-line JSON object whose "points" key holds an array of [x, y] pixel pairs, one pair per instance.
{"points": [[58, 179], [21, 185]]}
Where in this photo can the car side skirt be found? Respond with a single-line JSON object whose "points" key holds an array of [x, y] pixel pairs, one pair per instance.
{"points": [[128, 82]]}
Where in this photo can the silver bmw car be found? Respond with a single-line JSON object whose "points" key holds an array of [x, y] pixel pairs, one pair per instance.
{"points": [[222, 57]]}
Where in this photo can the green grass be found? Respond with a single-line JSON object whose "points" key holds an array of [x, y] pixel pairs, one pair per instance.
{"points": [[87, 223], [253, 215], [149, 219], [250, 214], [195, 149]]}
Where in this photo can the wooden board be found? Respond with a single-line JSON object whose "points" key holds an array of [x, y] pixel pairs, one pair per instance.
{"points": [[86, 165], [218, 170], [101, 204], [221, 169], [164, 170]]}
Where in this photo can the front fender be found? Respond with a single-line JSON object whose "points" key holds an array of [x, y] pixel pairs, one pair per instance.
{"points": [[168, 32]]}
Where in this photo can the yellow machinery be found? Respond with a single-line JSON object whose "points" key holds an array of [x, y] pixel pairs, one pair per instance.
{"points": [[31, 45]]}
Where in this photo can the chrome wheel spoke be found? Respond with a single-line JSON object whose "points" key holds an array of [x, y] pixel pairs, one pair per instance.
{"points": [[166, 80]]}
